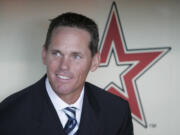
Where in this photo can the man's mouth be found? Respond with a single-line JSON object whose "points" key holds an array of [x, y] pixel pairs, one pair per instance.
{"points": [[63, 77]]}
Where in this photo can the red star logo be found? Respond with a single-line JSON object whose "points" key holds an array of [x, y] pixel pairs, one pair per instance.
{"points": [[138, 62]]}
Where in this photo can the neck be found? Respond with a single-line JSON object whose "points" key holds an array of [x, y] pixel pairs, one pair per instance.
{"points": [[70, 98]]}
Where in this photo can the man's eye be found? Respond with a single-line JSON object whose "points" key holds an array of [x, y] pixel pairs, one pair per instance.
{"points": [[77, 57], [56, 53]]}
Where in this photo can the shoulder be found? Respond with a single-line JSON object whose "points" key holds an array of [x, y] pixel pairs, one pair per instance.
{"points": [[105, 98], [20, 99], [111, 108]]}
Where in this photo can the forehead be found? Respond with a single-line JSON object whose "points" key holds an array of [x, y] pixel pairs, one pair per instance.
{"points": [[70, 30], [70, 37]]}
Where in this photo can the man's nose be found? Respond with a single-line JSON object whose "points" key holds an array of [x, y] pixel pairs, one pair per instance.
{"points": [[64, 63]]}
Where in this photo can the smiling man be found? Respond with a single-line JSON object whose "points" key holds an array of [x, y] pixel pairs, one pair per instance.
{"points": [[62, 102], [68, 60]]}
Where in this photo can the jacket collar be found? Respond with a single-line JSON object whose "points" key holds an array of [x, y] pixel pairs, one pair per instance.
{"points": [[89, 123]]}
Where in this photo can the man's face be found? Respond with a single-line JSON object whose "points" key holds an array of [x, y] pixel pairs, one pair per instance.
{"points": [[68, 60]]}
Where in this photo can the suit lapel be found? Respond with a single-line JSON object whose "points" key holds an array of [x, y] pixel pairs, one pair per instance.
{"points": [[47, 120], [90, 114]]}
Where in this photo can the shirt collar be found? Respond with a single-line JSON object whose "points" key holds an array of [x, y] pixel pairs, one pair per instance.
{"points": [[58, 103]]}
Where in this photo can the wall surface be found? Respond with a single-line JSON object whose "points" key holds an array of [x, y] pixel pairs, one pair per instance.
{"points": [[147, 27]]}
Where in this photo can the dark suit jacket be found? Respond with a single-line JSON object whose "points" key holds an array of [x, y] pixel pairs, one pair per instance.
{"points": [[30, 112]]}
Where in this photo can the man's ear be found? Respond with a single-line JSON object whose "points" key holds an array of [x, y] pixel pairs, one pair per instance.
{"points": [[95, 62], [44, 55]]}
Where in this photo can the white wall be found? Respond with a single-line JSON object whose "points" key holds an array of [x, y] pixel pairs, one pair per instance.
{"points": [[146, 24]]}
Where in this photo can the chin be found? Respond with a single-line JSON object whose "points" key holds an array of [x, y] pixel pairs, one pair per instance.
{"points": [[63, 90]]}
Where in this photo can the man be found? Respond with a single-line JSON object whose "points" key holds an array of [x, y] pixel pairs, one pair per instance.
{"points": [[62, 103]]}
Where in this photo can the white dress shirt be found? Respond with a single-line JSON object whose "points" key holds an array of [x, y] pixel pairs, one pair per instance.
{"points": [[59, 104]]}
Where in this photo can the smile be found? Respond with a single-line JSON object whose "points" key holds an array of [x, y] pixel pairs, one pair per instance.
{"points": [[63, 77]]}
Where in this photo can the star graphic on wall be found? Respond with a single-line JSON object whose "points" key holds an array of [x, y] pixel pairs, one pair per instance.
{"points": [[129, 64]]}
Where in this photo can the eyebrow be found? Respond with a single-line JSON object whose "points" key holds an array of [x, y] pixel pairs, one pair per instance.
{"points": [[77, 53], [73, 52], [54, 50]]}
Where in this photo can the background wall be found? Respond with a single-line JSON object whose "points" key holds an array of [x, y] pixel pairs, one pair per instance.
{"points": [[146, 24]]}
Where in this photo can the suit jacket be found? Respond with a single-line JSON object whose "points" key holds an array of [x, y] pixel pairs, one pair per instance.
{"points": [[31, 112]]}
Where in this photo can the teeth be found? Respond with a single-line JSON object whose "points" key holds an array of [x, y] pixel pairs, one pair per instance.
{"points": [[63, 77]]}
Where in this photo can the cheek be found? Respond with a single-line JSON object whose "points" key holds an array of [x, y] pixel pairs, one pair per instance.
{"points": [[52, 65], [81, 71]]}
